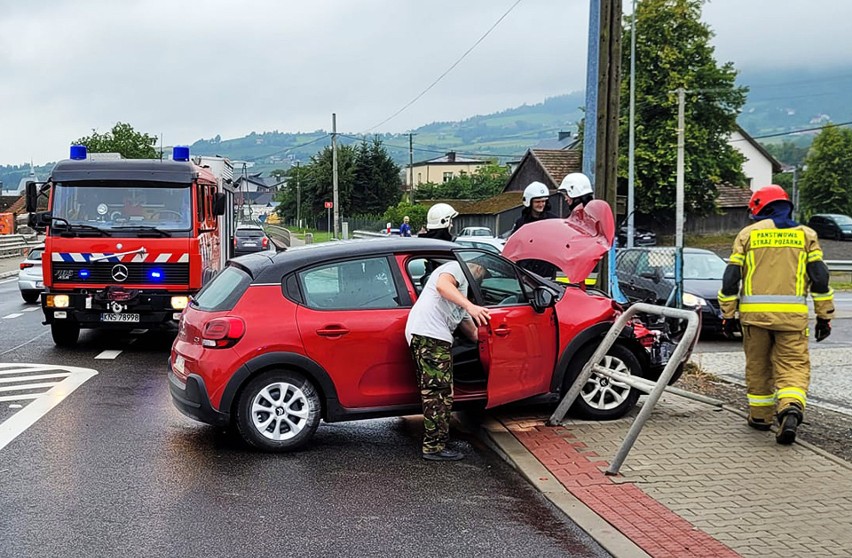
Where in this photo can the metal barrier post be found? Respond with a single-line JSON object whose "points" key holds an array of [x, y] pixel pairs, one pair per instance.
{"points": [[654, 389]]}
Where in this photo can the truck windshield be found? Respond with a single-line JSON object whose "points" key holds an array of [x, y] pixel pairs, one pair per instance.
{"points": [[124, 206]]}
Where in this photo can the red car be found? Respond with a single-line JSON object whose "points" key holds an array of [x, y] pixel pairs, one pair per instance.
{"points": [[277, 342]]}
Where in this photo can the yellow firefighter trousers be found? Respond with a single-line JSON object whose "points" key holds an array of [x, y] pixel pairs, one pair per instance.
{"points": [[776, 362]]}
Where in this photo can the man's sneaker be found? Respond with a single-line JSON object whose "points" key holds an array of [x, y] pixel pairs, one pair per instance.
{"points": [[759, 424], [445, 454], [789, 423]]}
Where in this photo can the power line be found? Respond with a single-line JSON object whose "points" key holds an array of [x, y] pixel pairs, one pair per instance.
{"points": [[456, 63], [791, 132], [286, 149]]}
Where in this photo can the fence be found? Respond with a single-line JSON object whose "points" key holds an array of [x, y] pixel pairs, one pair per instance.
{"points": [[13, 245]]}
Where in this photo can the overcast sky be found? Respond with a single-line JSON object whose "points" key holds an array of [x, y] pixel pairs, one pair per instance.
{"points": [[192, 69]]}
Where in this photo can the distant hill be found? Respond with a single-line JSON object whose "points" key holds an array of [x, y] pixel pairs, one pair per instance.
{"points": [[779, 101]]}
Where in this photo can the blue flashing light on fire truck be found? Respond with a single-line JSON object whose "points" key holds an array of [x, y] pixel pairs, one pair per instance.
{"points": [[128, 241]]}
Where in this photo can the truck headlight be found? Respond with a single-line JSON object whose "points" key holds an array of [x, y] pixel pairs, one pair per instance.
{"points": [[58, 301], [692, 300], [180, 302]]}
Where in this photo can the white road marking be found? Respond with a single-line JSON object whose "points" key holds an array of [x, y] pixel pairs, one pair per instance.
{"points": [[39, 377], [33, 309], [12, 427], [10, 316], [108, 355], [28, 386], [16, 368]]}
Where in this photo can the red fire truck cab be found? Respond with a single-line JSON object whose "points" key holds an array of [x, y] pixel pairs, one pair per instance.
{"points": [[128, 241]]}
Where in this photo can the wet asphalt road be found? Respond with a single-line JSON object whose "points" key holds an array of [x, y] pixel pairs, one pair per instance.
{"points": [[115, 470]]}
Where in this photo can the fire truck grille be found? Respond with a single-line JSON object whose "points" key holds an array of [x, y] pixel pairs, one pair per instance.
{"points": [[112, 273]]}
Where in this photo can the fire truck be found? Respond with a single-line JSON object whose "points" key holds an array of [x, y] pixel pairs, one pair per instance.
{"points": [[128, 241]]}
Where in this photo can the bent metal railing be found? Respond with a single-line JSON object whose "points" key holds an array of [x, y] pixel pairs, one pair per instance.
{"points": [[653, 389]]}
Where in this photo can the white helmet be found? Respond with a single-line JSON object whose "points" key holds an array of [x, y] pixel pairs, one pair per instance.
{"points": [[576, 185], [533, 191], [440, 215]]}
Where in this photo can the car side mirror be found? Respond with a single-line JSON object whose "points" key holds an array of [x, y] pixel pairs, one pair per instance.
{"points": [[652, 275], [32, 196], [219, 200], [40, 220], [543, 298]]}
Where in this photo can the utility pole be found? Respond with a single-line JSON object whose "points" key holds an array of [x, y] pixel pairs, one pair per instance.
{"points": [[679, 196], [631, 157], [411, 167], [335, 198], [298, 199]]}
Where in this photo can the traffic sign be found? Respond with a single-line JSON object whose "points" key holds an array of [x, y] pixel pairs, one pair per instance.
{"points": [[329, 205]]}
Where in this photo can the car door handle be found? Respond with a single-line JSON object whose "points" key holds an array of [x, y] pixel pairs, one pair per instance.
{"points": [[332, 331], [502, 331]]}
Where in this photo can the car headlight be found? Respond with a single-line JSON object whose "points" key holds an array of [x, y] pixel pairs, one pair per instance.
{"points": [[692, 300], [180, 302], [58, 301]]}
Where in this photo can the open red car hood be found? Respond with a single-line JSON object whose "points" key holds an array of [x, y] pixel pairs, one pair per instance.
{"points": [[574, 245]]}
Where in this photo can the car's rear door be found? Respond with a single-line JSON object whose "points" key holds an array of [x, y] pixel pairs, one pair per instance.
{"points": [[518, 347], [352, 323]]}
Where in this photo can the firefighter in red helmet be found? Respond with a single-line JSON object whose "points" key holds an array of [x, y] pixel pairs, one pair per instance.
{"points": [[775, 263]]}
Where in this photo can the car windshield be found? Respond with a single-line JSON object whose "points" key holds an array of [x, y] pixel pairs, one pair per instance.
{"points": [[118, 205], [842, 219], [251, 233], [697, 266]]}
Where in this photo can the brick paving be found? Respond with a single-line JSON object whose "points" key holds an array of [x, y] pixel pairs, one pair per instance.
{"points": [[698, 482]]}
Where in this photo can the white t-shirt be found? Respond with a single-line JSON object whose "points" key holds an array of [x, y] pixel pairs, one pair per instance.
{"points": [[433, 315]]}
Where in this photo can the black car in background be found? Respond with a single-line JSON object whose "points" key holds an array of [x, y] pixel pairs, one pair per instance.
{"points": [[641, 237], [647, 275], [831, 225], [250, 238]]}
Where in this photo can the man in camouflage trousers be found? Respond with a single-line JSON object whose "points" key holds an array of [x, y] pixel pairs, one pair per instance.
{"points": [[440, 309]]}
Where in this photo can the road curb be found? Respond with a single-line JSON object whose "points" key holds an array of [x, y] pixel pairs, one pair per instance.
{"points": [[5, 274], [504, 444]]}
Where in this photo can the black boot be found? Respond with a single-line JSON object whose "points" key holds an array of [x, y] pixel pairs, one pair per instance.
{"points": [[759, 424], [788, 423]]}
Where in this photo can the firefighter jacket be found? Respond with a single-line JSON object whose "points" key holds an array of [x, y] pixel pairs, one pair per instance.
{"points": [[777, 268]]}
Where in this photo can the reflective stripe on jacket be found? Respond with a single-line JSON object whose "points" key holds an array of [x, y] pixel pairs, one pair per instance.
{"points": [[775, 283]]}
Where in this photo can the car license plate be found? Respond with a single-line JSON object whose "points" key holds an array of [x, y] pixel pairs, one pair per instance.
{"points": [[178, 364], [119, 317], [250, 244]]}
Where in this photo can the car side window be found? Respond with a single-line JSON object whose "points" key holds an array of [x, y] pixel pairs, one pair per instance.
{"points": [[501, 285], [419, 269], [350, 285]]}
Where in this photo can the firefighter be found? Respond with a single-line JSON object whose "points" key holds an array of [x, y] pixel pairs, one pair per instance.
{"points": [[576, 189], [774, 263], [536, 200]]}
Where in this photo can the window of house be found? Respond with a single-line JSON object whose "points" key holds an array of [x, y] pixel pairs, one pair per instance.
{"points": [[448, 176]]}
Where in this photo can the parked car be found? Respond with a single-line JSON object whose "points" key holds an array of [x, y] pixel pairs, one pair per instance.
{"points": [[487, 243], [272, 346], [250, 238], [476, 231], [830, 225], [648, 275], [641, 237], [31, 278]]}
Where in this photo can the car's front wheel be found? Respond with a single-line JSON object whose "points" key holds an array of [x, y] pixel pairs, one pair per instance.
{"points": [[602, 398], [278, 411]]}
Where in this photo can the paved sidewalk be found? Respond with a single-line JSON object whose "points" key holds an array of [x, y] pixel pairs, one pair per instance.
{"points": [[698, 482]]}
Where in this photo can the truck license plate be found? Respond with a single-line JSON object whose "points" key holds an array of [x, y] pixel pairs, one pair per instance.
{"points": [[119, 317]]}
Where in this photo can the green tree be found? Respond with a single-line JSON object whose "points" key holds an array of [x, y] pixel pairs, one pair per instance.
{"points": [[825, 184], [788, 152], [673, 50], [487, 181], [377, 178], [122, 139]]}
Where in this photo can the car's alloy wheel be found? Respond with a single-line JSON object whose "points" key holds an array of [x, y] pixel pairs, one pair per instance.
{"points": [[278, 411], [602, 398]]}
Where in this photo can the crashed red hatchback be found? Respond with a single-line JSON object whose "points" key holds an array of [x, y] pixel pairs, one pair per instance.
{"points": [[277, 343]]}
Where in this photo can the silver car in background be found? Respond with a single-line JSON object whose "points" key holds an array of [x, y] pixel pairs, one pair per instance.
{"points": [[31, 278]]}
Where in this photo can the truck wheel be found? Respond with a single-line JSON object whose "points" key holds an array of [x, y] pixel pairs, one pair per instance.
{"points": [[278, 411], [65, 334], [601, 398]]}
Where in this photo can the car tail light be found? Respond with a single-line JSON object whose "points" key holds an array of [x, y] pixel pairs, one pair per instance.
{"points": [[235, 242], [221, 333], [265, 242], [25, 265]]}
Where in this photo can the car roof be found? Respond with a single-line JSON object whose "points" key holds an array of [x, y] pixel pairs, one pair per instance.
{"points": [[268, 268], [253, 227]]}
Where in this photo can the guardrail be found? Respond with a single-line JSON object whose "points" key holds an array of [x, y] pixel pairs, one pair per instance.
{"points": [[368, 234], [278, 234], [13, 245]]}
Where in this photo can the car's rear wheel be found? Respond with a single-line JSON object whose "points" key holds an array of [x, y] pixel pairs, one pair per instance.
{"points": [[602, 398], [30, 296], [65, 334], [278, 411]]}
